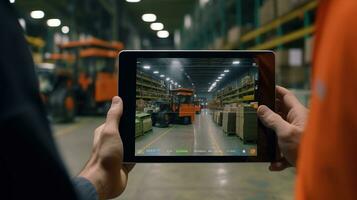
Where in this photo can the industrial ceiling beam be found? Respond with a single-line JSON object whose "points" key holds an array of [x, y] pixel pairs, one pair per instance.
{"points": [[106, 5], [114, 9]]}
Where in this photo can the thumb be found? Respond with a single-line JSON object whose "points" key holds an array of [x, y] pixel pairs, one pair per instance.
{"points": [[272, 120], [114, 113]]}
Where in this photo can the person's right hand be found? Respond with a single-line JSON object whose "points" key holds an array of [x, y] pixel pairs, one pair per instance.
{"points": [[288, 123]]}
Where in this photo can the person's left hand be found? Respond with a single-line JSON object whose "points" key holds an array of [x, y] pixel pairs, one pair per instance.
{"points": [[105, 169]]}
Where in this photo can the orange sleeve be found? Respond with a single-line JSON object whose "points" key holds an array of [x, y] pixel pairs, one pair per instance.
{"points": [[327, 164]]}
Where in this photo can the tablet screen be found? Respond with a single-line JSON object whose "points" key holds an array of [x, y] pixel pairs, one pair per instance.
{"points": [[196, 107]]}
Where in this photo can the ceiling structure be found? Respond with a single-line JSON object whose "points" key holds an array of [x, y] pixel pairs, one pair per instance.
{"points": [[197, 73], [94, 17], [169, 12], [84, 16]]}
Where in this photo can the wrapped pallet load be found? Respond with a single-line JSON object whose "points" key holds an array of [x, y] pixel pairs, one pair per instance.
{"points": [[247, 124], [218, 43], [229, 122], [219, 118], [138, 128], [289, 67], [145, 120], [267, 12], [309, 43], [233, 35], [215, 116], [285, 6]]}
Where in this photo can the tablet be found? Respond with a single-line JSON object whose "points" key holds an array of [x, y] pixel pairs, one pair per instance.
{"points": [[196, 106]]}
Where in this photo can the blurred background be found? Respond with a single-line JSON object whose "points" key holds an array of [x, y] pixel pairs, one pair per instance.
{"points": [[74, 44]]}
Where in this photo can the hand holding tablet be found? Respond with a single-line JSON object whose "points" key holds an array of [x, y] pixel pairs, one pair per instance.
{"points": [[196, 106]]}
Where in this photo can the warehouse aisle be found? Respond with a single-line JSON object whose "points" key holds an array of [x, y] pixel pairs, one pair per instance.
{"points": [[203, 137], [180, 181]]}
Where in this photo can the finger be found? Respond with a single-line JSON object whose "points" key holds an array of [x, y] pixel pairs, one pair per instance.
{"points": [[287, 98], [272, 120], [97, 134], [114, 113]]}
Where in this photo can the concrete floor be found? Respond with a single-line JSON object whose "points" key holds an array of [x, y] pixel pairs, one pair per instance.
{"points": [[179, 181], [202, 137]]}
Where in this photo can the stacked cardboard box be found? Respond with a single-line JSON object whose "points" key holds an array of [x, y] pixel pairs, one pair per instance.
{"points": [[309, 44], [145, 120], [289, 57], [267, 12], [218, 43], [293, 76], [233, 35], [214, 116], [229, 122], [285, 6], [140, 104], [247, 124], [138, 128], [289, 67], [219, 118]]}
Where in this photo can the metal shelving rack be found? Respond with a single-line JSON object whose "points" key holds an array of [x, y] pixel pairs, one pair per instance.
{"points": [[244, 93], [149, 88], [211, 23], [281, 39], [290, 30]]}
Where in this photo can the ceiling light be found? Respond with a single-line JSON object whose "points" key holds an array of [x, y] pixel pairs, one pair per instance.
{"points": [[167, 78], [53, 22], [219, 77], [163, 34], [148, 17], [22, 23], [218, 80], [12, 1], [226, 71], [162, 76], [146, 67], [133, 1], [222, 75], [157, 26], [65, 29], [236, 62], [156, 72], [37, 14], [187, 21], [179, 85]]}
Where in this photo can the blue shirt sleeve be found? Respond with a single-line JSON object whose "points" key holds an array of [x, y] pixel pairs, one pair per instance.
{"points": [[85, 189]]}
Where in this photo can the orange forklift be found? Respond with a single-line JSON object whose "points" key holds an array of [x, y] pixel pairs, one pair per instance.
{"points": [[197, 107], [89, 83], [182, 105]]}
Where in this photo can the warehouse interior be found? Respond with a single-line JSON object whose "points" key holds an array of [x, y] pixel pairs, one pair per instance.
{"points": [[74, 44], [176, 108]]}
